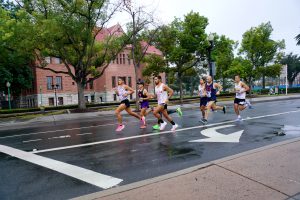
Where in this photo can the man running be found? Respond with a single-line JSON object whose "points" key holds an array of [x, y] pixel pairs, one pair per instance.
{"points": [[122, 91], [212, 90], [203, 97], [240, 96], [144, 102], [163, 93]]}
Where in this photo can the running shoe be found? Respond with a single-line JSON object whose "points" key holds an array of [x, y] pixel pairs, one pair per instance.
{"points": [[224, 109], [163, 126], [143, 119], [143, 126], [120, 127], [204, 121], [179, 111], [174, 127], [238, 119], [156, 127]]}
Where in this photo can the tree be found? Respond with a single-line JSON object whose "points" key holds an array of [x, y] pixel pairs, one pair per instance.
{"points": [[182, 43], [14, 62], [68, 30], [293, 63], [155, 64], [298, 39], [260, 49], [142, 37], [223, 55]]}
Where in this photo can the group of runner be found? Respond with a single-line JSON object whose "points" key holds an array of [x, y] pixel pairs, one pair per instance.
{"points": [[208, 92]]}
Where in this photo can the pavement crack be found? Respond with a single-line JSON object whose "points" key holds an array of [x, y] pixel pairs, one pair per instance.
{"points": [[239, 174]]}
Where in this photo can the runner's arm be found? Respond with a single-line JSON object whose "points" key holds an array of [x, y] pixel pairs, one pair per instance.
{"points": [[245, 87], [129, 89], [169, 90], [219, 87]]}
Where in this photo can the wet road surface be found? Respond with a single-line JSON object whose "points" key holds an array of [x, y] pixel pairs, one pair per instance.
{"points": [[72, 158]]}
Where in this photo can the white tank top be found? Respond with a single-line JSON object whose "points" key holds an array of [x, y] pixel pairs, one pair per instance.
{"points": [[162, 96], [239, 95], [122, 92], [201, 90]]}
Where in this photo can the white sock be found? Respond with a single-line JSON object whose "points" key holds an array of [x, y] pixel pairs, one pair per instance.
{"points": [[239, 116]]}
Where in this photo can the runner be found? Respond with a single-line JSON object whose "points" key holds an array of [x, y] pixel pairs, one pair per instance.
{"points": [[212, 90], [144, 102], [163, 93], [240, 96], [203, 97], [122, 92]]}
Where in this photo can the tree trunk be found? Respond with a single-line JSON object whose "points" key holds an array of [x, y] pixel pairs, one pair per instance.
{"points": [[250, 86], [223, 80], [263, 81], [180, 88], [81, 99], [137, 104]]}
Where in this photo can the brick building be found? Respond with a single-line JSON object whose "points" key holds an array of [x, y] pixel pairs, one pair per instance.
{"points": [[50, 88]]}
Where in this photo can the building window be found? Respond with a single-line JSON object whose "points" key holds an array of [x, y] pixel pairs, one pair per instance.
{"points": [[123, 58], [93, 98], [60, 101], [86, 99], [129, 81], [59, 82], [128, 58], [130, 96], [117, 59], [48, 60], [115, 97], [49, 82], [56, 60], [113, 82], [51, 101]]}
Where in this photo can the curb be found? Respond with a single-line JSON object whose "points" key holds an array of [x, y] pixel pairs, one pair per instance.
{"points": [[154, 180]]}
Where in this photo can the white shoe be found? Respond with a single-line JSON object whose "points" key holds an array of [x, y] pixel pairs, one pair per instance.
{"points": [[163, 126], [238, 119], [174, 127]]}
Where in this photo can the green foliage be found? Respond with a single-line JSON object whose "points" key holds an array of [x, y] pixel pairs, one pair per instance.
{"points": [[180, 40], [67, 30], [293, 63], [223, 54], [14, 61]]}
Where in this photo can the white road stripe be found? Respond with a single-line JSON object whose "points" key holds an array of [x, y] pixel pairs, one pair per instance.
{"points": [[85, 134], [26, 141], [60, 137], [71, 129], [158, 133], [94, 178]]}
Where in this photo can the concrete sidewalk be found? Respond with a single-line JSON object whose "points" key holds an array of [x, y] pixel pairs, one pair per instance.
{"points": [[271, 172], [74, 116]]}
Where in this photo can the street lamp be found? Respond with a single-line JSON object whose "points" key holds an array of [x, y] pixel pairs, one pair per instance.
{"points": [[210, 39], [54, 87], [8, 86]]}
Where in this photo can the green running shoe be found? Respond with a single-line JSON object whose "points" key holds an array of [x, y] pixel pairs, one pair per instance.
{"points": [[156, 127], [179, 111]]}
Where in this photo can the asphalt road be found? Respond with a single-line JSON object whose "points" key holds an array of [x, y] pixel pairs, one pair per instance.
{"points": [[72, 158]]}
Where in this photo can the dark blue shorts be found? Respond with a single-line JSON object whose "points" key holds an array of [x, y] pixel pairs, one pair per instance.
{"points": [[203, 101], [145, 104]]}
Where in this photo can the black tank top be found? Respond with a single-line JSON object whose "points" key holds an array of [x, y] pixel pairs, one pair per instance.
{"points": [[141, 94]]}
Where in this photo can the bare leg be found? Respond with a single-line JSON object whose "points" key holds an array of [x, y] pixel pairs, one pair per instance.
{"points": [[129, 111], [118, 112], [166, 115]]}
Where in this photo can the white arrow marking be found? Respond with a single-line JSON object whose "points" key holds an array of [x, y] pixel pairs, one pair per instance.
{"points": [[82, 174], [214, 136]]}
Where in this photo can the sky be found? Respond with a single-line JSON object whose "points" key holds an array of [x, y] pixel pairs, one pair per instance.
{"points": [[232, 17]]}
